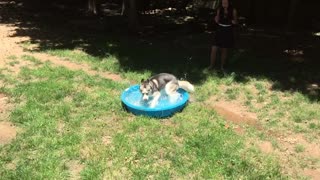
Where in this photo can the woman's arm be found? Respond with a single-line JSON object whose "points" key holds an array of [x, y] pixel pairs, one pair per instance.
{"points": [[216, 18], [235, 17]]}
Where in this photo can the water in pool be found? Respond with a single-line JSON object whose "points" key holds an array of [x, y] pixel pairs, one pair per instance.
{"points": [[135, 98]]}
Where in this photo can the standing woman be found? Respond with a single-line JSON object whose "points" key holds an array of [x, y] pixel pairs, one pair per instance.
{"points": [[226, 18]]}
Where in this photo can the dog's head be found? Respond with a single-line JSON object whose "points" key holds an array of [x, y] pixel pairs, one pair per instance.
{"points": [[145, 89]]}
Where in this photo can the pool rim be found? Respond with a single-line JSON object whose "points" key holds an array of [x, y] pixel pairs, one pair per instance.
{"points": [[185, 98]]}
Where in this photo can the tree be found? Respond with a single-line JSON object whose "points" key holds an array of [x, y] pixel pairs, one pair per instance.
{"points": [[129, 9], [125, 7], [133, 15], [291, 13], [92, 7]]}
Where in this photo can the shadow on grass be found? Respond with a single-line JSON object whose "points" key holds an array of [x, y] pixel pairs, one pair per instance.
{"points": [[165, 45]]}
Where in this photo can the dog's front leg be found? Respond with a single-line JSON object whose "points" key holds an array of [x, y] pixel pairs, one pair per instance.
{"points": [[155, 99]]}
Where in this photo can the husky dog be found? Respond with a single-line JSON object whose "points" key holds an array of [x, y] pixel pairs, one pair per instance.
{"points": [[163, 81]]}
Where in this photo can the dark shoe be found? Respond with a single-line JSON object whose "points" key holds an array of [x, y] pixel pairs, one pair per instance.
{"points": [[210, 68]]}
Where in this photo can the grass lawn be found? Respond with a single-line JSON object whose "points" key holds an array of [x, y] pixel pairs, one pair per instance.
{"points": [[73, 126], [71, 119]]}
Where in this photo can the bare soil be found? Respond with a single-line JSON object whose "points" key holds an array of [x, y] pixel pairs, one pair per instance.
{"points": [[8, 131], [297, 155], [75, 168]]}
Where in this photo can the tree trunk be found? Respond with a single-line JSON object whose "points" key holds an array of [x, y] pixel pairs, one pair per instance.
{"points": [[92, 7], [291, 13], [125, 7], [215, 4], [252, 12], [133, 15]]}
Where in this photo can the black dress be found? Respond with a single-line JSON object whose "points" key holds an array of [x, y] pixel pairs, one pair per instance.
{"points": [[224, 35]]}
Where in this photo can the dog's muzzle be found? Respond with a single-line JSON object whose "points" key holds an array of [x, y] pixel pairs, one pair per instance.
{"points": [[145, 97]]}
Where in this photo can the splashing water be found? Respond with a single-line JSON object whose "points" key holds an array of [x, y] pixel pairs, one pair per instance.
{"points": [[167, 105], [135, 98]]}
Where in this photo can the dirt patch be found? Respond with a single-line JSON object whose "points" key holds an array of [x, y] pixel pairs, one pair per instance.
{"points": [[236, 116], [266, 147], [75, 66], [11, 166], [312, 173], [8, 132], [106, 140], [3, 99], [16, 68], [10, 46], [234, 112], [297, 142], [5, 106], [239, 130], [297, 156], [75, 169], [9, 43]]}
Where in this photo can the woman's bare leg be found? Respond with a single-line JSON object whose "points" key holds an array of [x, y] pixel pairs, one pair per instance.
{"points": [[213, 56], [224, 54]]}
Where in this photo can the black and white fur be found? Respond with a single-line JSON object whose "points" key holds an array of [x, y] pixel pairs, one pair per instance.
{"points": [[153, 86]]}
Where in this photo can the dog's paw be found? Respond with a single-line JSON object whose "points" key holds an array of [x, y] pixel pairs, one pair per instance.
{"points": [[174, 97], [153, 104]]}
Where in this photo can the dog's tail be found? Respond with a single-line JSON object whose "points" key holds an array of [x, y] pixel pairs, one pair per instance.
{"points": [[186, 86]]}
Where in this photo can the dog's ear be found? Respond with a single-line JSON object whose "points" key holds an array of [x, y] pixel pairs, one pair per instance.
{"points": [[142, 80]]}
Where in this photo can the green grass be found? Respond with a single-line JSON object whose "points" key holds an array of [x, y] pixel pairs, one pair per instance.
{"points": [[299, 148], [31, 59], [13, 60], [67, 116], [232, 93], [26, 44], [12, 57], [106, 63], [70, 121], [12, 63], [270, 103]]}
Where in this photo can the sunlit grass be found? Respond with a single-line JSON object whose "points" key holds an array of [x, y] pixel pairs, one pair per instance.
{"points": [[12, 57], [68, 116], [26, 44], [14, 62], [108, 62], [268, 104], [299, 148], [31, 59], [273, 107]]}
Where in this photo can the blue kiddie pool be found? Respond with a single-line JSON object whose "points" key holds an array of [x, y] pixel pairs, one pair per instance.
{"points": [[132, 101]]}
